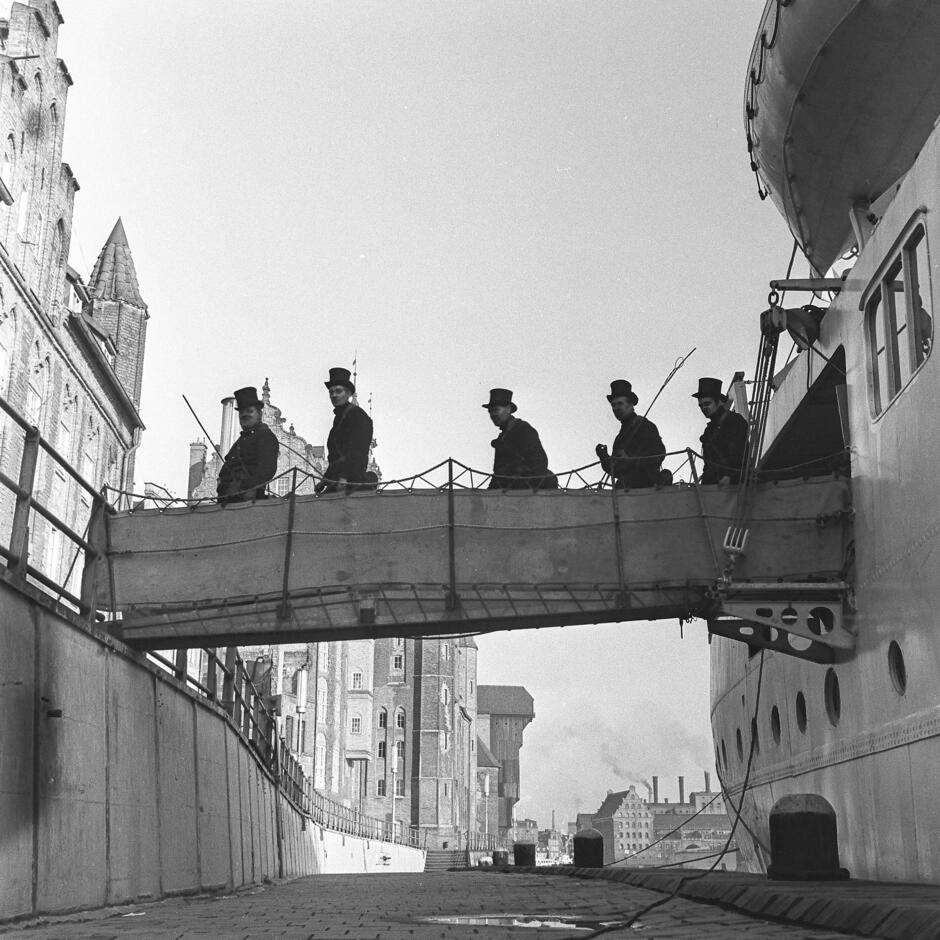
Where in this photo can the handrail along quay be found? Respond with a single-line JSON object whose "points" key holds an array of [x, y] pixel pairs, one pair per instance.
{"points": [[221, 675]]}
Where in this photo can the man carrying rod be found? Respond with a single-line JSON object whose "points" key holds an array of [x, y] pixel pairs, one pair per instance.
{"points": [[252, 461], [347, 446], [638, 449]]}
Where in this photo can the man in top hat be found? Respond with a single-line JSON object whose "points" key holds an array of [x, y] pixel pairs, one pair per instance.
{"points": [[638, 449], [252, 461], [520, 461], [724, 442], [347, 447]]}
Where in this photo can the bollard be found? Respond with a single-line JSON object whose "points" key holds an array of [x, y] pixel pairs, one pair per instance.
{"points": [[500, 857], [588, 849], [523, 854], [804, 843]]}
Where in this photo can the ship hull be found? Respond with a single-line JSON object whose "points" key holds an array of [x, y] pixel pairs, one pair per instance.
{"points": [[864, 732]]}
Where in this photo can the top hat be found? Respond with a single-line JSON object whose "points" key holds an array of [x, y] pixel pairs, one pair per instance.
{"points": [[500, 396], [247, 398], [340, 376], [620, 388], [710, 388]]}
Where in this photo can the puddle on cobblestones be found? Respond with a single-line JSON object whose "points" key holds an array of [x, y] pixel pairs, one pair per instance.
{"points": [[542, 922]]}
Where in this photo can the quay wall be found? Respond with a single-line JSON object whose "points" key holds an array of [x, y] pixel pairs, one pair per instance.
{"points": [[119, 784]]}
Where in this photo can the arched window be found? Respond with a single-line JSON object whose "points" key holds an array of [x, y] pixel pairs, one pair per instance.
{"points": [[400, 719], [90, 447], [381, 749], [319, 777], [400, 750], [22, 216], [56, 268], [7, 338], [383, 718], [36, 386]]}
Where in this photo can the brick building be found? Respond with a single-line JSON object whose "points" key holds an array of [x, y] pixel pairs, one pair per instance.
{"points": [[71, 354]]}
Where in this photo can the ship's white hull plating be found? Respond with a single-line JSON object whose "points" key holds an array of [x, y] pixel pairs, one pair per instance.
{"points": [[878, 762]]}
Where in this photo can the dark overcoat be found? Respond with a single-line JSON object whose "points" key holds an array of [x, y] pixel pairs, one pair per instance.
{"points": [[248, 466], [519, 454], [637, 454], [723, 446], [347, 446]]}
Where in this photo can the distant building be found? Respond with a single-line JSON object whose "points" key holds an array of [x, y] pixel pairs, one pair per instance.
{"points": [[625, 821], [71, 354], [503, 713]]}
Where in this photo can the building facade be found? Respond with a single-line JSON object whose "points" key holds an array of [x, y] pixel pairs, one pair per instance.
{"points": [[71, 353]]}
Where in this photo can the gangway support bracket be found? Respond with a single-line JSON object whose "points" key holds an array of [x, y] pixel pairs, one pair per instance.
{"points": [[759, 636], [809, 609]]}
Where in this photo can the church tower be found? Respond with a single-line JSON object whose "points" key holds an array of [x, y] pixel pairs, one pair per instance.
{"points": [[120, 310]]}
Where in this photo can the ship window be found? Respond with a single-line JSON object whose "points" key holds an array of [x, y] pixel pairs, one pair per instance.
{"points": [[899, 320], [755, 739], [897, 668], [775, 724], [801, 712], [724, 754], [833, 697], [740, 743]]}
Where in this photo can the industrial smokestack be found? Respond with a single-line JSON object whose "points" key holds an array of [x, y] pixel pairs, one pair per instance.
{"points": [[225, 438], [682, 789], [655, 789], [708, 782]]}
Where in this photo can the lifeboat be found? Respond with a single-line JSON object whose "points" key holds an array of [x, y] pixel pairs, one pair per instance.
{"points": [[840, 98]]}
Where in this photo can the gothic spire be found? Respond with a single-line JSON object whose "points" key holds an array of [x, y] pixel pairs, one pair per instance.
{"points": [[114, 276]]}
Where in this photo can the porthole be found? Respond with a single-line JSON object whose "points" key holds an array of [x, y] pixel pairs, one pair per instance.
{"points": [[801, 712], [897, 668], [833, 697], [775, 724], [724, 755], [755, 738], [740, 744]]}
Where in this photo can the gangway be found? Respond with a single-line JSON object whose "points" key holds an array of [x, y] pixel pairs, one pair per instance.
{"points": [[446, 560]]}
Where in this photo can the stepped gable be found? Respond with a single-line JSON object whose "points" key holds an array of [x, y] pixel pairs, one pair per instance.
{"points": [[114, 276], [611, 804], [505, 700]]}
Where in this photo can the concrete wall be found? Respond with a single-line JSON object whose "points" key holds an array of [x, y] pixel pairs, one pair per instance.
{"points": [[117, 784]]}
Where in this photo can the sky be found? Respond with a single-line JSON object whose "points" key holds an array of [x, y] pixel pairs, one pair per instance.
{"points": [[544, 196]]}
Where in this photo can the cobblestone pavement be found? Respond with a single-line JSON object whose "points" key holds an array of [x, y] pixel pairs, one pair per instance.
{"points": [[360, 907]]}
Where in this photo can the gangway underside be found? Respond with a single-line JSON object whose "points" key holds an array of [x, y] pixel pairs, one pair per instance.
{"points": [[440, 561]]}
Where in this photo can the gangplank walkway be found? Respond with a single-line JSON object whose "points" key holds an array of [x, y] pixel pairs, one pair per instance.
{"points": [[457, 560], [394, 907]]}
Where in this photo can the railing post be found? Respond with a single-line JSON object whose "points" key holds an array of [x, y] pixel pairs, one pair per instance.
{"points": [[96, 523], [228, 680], [618, 545], [212, 675], [19, 534], [451, 603], [180, 664], [283, 610]]}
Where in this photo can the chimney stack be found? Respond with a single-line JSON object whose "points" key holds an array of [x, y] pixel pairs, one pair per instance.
{"points": [[708, 782], [682, 789], [225, 438], [655, 789]]}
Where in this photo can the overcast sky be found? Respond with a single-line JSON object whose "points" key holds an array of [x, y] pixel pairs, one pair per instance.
{"points": [[543, 196]]}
